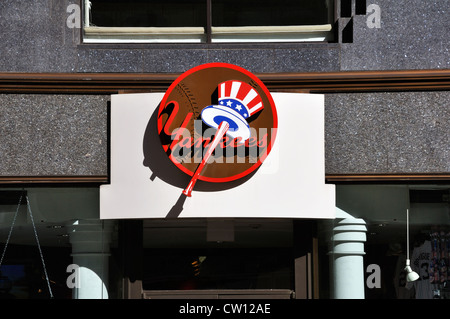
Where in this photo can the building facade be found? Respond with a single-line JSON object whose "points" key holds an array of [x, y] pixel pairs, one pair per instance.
{"points": [[382, 68]]}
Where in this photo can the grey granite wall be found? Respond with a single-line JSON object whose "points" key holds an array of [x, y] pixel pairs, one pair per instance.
{"points": [[366, 133], [35, 38], [398, 132], [53, 135], [413, 35], [392, 133]]}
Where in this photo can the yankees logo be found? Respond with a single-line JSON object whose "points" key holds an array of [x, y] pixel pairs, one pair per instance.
{"points": [[217, 122]]}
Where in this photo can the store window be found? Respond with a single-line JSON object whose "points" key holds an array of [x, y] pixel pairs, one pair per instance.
{"points": [[200, 258], [219, 269], [211, 21]]}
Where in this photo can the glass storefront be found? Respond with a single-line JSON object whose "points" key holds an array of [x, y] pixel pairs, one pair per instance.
{"points": [[246, 256]]}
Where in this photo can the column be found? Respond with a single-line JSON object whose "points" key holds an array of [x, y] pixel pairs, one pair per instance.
{"points": [[347, 257], [90, 241]]}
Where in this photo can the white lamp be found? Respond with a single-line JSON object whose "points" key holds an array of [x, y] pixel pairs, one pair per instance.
{"points": [[410, 274]]}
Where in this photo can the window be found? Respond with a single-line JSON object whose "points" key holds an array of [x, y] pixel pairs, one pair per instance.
{"points": [[220, 268], [210, 21]]}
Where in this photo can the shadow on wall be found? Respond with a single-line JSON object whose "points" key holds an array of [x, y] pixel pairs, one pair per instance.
{"points": [[162, 167]]}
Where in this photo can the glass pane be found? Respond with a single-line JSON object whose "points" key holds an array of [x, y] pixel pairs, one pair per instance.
{"points": [[148, 13], [218, 269], [233, 13]]}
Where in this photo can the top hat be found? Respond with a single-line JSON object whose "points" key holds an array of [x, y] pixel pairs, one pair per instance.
{"points": [[237, 102]]}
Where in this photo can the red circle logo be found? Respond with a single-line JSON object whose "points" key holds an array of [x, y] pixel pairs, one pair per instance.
{"points": [[217, 122]]}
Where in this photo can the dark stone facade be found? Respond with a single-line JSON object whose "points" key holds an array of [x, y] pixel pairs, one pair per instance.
{"points": [[35, 38], [397, 132], [387, 133], [43, 134]]}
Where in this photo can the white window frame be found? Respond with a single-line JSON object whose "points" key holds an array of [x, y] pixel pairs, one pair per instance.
{"points": [[250, 34], [298, 33], [144, 35]]}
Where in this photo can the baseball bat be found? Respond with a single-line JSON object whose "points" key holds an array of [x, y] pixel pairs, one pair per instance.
{"points": [[221, 131]]}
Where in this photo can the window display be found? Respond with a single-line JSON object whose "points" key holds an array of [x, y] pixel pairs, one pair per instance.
{"points": [[430, 260]]}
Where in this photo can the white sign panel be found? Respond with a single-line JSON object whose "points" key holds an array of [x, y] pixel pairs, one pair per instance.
{"points": [[289, 184]]}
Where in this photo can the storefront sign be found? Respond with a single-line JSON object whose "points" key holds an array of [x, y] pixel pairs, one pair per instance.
{"points": [[217, 121], [265, 161]]}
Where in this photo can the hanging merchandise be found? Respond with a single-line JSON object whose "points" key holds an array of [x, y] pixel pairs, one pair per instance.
{"points": [[434, 262], [439, 260], [420, 260], [444, 258], [447, 238], [35, 235]]}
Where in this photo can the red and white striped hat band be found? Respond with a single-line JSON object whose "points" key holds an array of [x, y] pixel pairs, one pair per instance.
{"points": [[241, 97], [237, 102]]}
